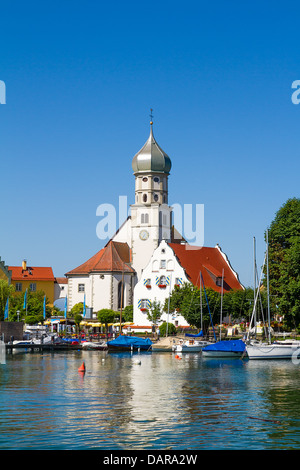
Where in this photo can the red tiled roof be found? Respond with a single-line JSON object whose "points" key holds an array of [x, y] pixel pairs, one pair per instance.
{"points": [[61, 280], [33, 273], [210, 262], [115, 256]]}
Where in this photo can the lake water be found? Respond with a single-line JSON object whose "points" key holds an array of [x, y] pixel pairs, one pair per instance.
{"points": [[163, 403]]}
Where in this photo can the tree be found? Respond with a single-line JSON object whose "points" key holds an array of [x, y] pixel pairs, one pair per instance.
{"points": [[106, 316], [187, 302], [77, 309], [154, 312], [284, 262], [77, 320], [6, 291], [35, 307], [127, 314]]}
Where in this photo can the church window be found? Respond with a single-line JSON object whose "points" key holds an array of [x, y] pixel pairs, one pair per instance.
{"points": [[144, 218], [80, 287], [155, 197], [120, 294], [156, 179], [145, 179], [144, 197]]}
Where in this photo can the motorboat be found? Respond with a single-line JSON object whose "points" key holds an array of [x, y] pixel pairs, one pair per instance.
{"points": [[190, 345], [90, 345]]}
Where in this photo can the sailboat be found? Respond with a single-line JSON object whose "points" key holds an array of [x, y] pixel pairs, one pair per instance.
{"points": [[269, 350], [226, 348], [194, 343]]}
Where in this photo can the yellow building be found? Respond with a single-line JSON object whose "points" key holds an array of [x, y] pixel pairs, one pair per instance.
{"points": [[34, 279]]}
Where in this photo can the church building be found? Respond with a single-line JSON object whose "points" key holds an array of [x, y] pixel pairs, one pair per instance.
{"points": [[147, 256]]}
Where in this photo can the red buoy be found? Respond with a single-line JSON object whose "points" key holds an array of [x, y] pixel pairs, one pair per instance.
{"points": [[82, 368]]}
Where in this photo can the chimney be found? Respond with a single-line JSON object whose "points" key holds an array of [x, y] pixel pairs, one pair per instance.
{"points": [[24, 265]]}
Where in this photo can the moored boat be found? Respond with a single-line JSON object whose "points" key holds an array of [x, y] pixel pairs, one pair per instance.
{"points": [[129, 343], [226, 348], [190, 345]]}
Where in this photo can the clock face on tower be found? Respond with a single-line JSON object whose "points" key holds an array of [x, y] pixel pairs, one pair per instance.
{"points": [[144, 235]]}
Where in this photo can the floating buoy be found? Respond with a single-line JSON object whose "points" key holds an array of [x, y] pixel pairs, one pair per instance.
{"points": [[177, 357], [137, 361], [82, 368]]}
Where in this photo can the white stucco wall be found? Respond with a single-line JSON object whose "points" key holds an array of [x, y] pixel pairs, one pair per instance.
{"points": [[153, 271]]}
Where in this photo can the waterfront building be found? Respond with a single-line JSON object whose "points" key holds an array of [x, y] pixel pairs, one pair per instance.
{"points": [[146, 257], [174, 264], [34, 278]]}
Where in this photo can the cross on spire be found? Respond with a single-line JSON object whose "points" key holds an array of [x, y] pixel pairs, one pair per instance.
{"points": [[151, 116]]}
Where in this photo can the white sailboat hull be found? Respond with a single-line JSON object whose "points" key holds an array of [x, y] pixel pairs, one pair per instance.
{"points": [[273, 351]]}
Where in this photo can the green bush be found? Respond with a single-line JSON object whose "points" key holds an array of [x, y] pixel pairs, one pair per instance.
{"points": [[163, 329]]}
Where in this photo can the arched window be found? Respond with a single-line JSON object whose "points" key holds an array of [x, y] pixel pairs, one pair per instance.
{"points": [[120, 295], [144, 197]]}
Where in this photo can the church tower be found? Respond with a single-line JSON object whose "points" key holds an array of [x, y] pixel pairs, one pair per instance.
{"points": [[151, 217]]}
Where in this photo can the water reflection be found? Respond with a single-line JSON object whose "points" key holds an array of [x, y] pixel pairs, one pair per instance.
{"points": [[192, 403]]}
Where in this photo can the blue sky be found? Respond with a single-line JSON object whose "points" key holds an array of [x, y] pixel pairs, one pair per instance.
{"points": [[80, 80]]}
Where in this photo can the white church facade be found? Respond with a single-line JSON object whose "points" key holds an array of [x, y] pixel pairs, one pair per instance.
{"points": [[146, 257]]}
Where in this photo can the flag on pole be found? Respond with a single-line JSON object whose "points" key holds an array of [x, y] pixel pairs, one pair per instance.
{"points": [[84, 306], [44, 309], [6, 309], [66, 306], [25, 300]]}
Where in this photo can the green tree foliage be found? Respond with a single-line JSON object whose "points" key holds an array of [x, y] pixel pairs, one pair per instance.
{"points": [[77, 309], [284, 262], [154, 312], [35, 307], [163, 329], [186, 301], [106, 315], [127, 314], [6, 291]]}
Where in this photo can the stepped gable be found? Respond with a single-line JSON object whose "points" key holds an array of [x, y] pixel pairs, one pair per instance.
{"points": [[210, 262], [112, 258]]}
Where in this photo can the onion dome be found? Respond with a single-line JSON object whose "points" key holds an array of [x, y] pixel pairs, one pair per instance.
{"points": [[151, 158]]}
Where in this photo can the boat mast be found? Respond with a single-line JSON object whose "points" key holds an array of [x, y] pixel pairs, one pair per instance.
{"points": [[268, 288], [221, 304], [201, 302], [254, 289]]}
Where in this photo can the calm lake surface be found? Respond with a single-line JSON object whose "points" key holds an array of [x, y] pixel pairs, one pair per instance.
{"points": [[163, 403]]}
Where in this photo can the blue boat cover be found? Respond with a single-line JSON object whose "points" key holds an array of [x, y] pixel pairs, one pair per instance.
{"points": [[195, 336], [123, 341], [227, 345]]}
